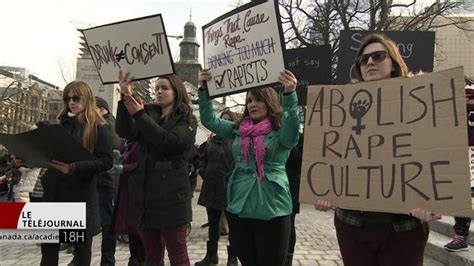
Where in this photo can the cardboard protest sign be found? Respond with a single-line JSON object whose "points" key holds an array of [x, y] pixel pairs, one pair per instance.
{"points": [[310, 65], [138, 46], [390, 145], [243, 49], [38, 147], [416, 48]]}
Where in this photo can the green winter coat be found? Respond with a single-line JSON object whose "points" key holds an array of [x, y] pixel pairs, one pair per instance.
{"points": [[246, 197]]}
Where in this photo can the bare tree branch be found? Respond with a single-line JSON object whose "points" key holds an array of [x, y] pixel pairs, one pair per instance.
{"points": [[316, 22]]}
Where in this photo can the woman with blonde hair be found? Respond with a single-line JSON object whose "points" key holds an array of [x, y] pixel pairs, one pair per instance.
{"points": [[258, 195], [375, 238], [76, 181]]}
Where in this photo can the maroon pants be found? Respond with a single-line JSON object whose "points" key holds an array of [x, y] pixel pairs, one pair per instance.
{"points": [[380, 245], [155, 240]]}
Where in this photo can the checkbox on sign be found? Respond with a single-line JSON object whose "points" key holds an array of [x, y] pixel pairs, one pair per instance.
{"points": [[219, 80]]}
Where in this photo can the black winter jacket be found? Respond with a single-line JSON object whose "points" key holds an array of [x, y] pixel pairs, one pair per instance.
{"points": [[81, 186], [216, 164], [106, 180], [159, 189]]}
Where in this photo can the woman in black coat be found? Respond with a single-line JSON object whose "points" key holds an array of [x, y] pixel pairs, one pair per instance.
{"points": [[216, 164], [159, 189], [76, 182]]}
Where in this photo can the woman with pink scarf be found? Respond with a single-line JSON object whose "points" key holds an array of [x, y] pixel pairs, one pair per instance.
{"points": [[259, 200]]}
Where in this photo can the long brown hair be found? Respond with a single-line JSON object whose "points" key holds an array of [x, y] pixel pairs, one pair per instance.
{"points": [[90, 117], [399, 65], [182, 103], [272, 102]]}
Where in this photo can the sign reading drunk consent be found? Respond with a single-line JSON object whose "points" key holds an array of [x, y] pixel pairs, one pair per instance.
{"points": [[390, 146], [243, 49], [138, 46], [416, 48]]}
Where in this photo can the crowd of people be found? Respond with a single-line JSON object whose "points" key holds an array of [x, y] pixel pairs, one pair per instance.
{"points": [[146, 162]]}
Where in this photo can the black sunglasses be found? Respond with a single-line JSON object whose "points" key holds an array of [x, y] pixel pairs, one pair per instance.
{"points": [[377, 56], [75, 98]]}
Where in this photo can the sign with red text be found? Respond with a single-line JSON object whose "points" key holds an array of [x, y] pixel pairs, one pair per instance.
{"points": [[43, 215], [138, 46], [42, 222], [243, 49], [391, 145]]}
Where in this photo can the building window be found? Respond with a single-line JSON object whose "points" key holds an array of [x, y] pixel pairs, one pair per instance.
{"points": [[34, 102]]}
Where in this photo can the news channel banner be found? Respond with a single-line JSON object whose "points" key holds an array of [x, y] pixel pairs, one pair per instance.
{"points": [[42, 222]]}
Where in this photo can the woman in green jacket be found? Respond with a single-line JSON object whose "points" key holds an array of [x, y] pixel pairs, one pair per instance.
{"points": [[259, 200]]}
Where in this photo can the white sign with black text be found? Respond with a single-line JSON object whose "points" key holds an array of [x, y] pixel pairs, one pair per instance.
{"points": [[138, 46], [243, 49]]}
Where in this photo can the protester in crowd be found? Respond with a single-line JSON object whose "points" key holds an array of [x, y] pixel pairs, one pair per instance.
{"points": [[104, 110], [216, 164], [159, 189], [259, 200], [76, 182], [122, 226], [107, 188], [374, 238], [26, 183], [293, 170], [462, 224], [107, 183]]}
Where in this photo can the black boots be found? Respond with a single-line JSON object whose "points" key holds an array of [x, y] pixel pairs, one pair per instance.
{"points": [[231, 257], [211, 257]]}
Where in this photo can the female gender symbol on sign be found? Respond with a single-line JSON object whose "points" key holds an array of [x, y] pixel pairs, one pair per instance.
{"points": [[359, 106]]}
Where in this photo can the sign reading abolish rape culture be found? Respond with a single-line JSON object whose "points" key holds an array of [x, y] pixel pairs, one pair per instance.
{"points": [[390, 146], [243, 49], [138, 46]]}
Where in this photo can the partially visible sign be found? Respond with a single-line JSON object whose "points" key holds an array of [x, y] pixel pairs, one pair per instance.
{"points": [[243, 49], [138, 46], [310, 65], [416, 48]]}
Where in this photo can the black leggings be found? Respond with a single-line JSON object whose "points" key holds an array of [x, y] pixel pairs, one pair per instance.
{"points": [[259, 242]]}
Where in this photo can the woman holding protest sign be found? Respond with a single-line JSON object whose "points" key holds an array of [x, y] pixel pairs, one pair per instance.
{"points": [[374, 238], [159, 188], [259, 200], [76, 182]]}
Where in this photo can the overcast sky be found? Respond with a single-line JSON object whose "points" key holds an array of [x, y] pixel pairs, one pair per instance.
{"points": [[41, 35]]}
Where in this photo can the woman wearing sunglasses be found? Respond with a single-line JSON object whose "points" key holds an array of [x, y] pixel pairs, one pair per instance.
{"points": [[76, 182], [373, 238]]}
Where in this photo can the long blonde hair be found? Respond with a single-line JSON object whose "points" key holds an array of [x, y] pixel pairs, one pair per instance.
{"points": [[90, 117]]}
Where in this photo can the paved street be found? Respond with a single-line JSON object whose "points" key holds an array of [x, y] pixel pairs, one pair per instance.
{"points": [[316, 243]]}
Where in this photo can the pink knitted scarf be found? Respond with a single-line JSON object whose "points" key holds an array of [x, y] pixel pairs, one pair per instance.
{"points": [[256, 132]]}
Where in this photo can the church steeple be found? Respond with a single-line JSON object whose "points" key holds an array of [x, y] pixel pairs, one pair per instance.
{"points": [[189, 48]]}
